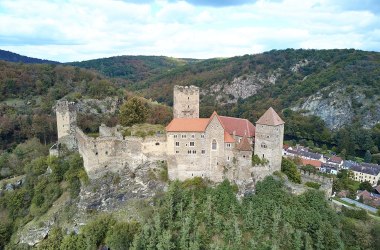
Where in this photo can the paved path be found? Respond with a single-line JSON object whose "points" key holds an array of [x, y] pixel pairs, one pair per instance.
{"points": [[361, 205]]}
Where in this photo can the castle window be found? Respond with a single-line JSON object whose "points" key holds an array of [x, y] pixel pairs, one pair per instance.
{"points": [[263, 145], [188, 106], [191, 144], [203, 151], [96, 153], [228, 158], [267, 136], [188, 98], [157, 143], [177, 152], [213, 145], [183, 136], [106, 152], [202, 135], [175, 136], [194, 151], [188, 151], [177, 143], [228, 145], [192, 136]]}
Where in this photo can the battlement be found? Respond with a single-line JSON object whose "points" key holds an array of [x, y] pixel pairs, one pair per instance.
{"points": [[65, 106], [187, 89]]}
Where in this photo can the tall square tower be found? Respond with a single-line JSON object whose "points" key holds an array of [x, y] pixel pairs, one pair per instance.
{"points": [[186, 102]]}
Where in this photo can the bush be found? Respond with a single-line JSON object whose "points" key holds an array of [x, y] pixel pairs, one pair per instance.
{"points": [[289, 168], [314, 185]]}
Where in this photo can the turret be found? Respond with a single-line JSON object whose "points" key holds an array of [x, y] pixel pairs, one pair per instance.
{"points": [[269, 138]]}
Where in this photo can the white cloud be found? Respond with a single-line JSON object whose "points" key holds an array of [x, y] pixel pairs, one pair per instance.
{"points": [[83, 29]]}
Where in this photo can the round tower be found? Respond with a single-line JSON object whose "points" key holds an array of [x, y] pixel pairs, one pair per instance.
{"points": [[66, 123], [186, 102], [269, 138]]}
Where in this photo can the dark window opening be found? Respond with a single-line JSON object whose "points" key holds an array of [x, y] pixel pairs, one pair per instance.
{"points": [[106, 152], [96, 153], [157, 143]]}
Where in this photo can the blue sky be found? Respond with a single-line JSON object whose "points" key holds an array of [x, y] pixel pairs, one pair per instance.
{"points": [[75, 30]]}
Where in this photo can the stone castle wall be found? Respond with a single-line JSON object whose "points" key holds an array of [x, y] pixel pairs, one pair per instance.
{"points": [[114, 153], [66, 123], [269, 143], [186, 102]]}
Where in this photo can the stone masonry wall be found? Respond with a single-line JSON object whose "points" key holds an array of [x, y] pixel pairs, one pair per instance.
{"points": [[269, 143], [186, 102], [66, 123], [110, 153]]}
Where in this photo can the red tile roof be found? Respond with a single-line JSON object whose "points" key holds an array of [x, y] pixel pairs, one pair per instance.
{"points": [[240, 126], [244, 145], [270, 117], [336, 159], [187, 125], [228, 138], [314, 163]]}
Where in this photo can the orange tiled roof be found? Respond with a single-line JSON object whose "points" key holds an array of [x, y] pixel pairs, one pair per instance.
{"points": [[228, 138], [244, 145], [187, 125], [270, 117], [240, 126], [314, 163]]}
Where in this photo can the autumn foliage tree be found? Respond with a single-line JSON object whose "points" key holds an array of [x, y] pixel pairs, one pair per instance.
{"points": [[134, 111]]}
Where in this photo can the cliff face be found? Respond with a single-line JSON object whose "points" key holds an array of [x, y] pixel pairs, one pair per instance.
{"points": [[339, 106]]}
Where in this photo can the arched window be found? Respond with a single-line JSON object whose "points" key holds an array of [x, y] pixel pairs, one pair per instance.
{"points": [[213, 145]]}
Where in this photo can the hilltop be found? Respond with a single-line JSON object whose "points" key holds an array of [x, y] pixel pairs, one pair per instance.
{"points": [[134, 68], [14, 57]]}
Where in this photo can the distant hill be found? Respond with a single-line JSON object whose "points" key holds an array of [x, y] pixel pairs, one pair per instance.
{"points": [[13, 57], [134, 68], [339, 86]]}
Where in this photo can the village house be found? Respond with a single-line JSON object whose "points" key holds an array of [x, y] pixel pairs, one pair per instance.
{"points": [[366, 172]]}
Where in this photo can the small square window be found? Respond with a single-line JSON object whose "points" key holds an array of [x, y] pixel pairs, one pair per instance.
{"points": [[192, 144], [203, 151], [177, 143], [175, 136], [177, 152], [202, 135], [228, 145]]}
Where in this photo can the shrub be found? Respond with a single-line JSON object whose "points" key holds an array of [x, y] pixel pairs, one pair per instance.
{"points": [[314, 185]]}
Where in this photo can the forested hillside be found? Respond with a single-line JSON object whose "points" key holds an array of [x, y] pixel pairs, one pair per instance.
{"points": [[133, 68], [29, 91], [13, 57]]}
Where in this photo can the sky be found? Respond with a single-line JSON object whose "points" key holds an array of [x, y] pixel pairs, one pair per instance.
{"points": [[77, 30]]}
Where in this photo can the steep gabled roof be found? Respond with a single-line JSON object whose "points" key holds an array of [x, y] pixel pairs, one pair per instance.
{"points": [[270, 117], [240, 126], [244, 145], [228, 138], [187, 125]]}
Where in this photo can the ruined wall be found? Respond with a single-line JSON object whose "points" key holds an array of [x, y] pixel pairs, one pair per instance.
{"points": [[186, 102], [269, 144], [112, 153], [66, 123]]}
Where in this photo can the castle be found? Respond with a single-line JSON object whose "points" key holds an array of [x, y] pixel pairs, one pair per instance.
{"points": [[215, 148]]}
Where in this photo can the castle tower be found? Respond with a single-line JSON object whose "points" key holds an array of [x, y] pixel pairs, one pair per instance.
{"points": [[269, 138], [66, 123], [186, 102]]}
